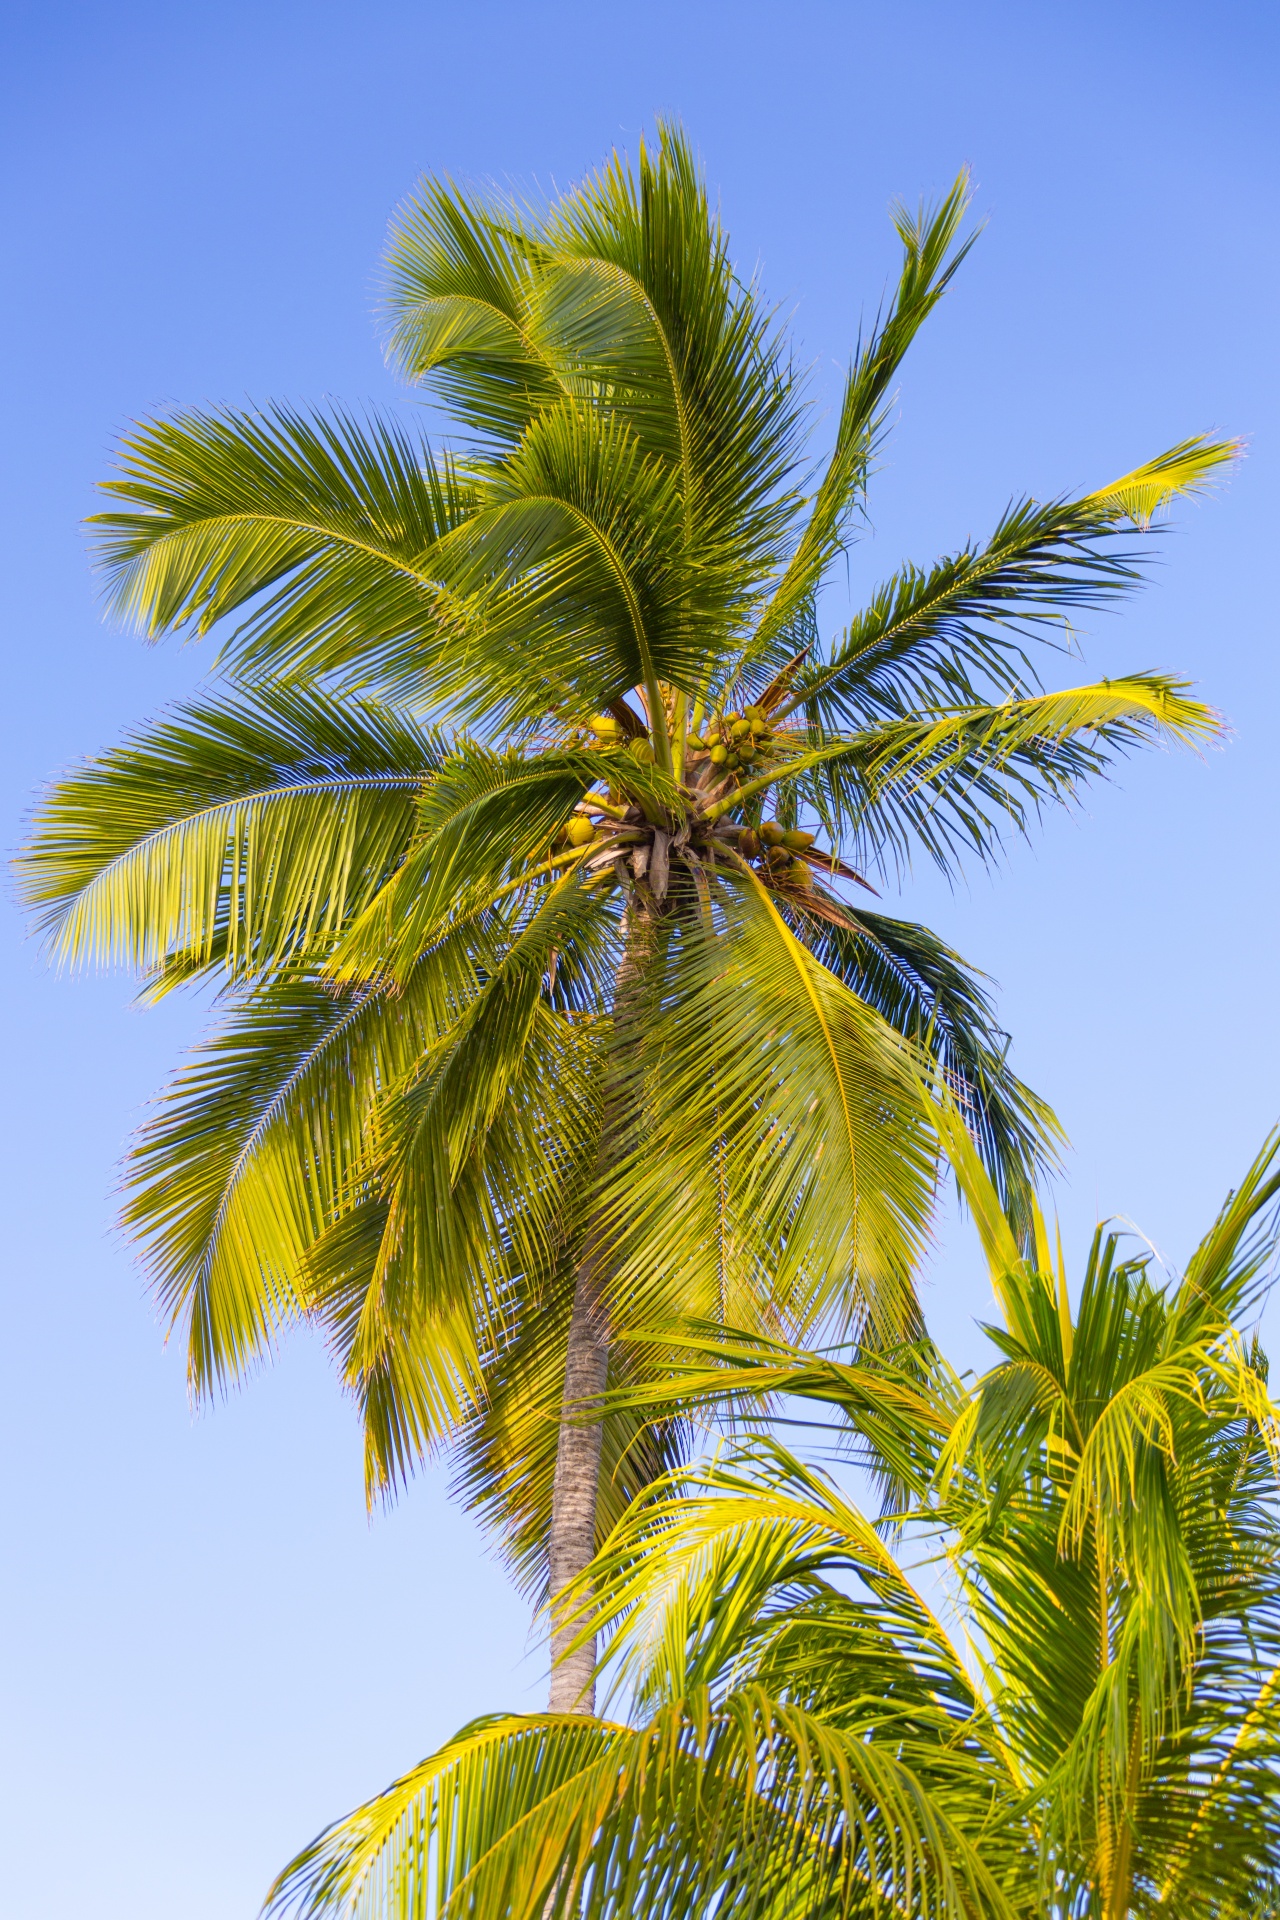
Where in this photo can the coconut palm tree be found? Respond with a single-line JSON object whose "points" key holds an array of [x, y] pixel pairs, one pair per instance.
{"points": [[1071, 1708], [547, 1014]]}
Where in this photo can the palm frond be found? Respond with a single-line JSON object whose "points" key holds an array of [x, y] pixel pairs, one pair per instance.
{"points": [[242, 831], [783, 1136], [928, 994], [964, 779], [557, 1816], [930, 260], [945, 635], [319, 530]]}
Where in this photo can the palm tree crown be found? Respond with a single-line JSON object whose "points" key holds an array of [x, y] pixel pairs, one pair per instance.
{"points": [[548, 1016]]}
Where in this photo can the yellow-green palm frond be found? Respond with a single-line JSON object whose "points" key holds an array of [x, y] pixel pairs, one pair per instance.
{"points": [[780, 1164], [962, 779], [931, 257], [240, 833], [754, 1808], [318, 531]]}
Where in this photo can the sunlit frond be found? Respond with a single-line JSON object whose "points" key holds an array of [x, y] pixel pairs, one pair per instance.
{"points": [[930, 259], [754, 1809], [241, 831], [754, 1054]]}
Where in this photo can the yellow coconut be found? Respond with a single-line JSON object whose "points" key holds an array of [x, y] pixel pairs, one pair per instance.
{"points": [[579, 832]]}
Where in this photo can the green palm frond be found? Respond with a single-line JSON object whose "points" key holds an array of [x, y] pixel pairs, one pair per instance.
{"points": [[247, 1158], [485, 825], [963, 779], [927, 993], [715, 1560], [480, 1160], [938, 636], [930, 259], [240, 832], [1098, 1758], [459, 276], [319, 531], [533, 1816], [720, 1202]]}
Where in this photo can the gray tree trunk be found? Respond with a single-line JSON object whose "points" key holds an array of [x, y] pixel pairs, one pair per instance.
{"points": [[575, 1490], [573, 1500]]}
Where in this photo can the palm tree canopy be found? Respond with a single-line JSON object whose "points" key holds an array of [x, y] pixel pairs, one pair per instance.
{"points": [[491, 710], [1085, 1722]]}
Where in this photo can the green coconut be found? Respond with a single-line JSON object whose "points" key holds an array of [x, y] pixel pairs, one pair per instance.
{"points": [[772, 834], [798, 840]]}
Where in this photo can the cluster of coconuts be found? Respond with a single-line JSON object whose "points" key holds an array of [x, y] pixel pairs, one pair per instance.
{"points": [[780, 847], [733, 740], [611, 733]]}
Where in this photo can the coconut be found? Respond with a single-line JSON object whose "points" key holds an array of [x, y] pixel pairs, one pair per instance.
{"points": [[748, 844], [719, 755], [741, 728], [605, 727], [799, 875], [771, 833], [579, 832], [798, 840], [733, 763], [642, 749]]}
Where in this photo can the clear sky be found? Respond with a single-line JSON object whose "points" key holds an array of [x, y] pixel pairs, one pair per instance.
{"points": [[206, 1650]]}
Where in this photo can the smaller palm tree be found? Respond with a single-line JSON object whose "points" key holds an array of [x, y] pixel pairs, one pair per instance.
{"points": [[809, 1737]]}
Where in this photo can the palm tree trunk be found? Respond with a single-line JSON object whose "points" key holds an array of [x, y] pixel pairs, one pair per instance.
{"points": [[575, 1491], [573, 1499]]}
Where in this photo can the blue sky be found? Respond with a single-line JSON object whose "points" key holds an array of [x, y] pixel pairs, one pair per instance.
{"points": [[207, 1649]]}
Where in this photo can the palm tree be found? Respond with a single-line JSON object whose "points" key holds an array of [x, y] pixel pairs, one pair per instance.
{"points": [[1099, 1515], [550, 1018]]}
